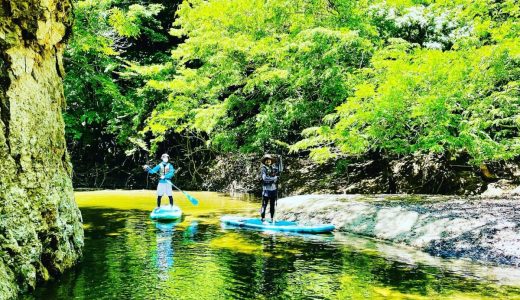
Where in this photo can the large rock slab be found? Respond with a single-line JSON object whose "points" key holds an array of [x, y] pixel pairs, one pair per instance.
{"points": [[478, 228]]}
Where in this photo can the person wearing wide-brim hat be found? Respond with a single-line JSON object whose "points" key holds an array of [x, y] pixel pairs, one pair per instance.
{"points": [[166, 171], [270, 174]]}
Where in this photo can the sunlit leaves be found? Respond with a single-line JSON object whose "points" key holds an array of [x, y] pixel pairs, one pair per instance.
{"points": [[279, 66], [394, 77], [433, 101], [104, 107], [130, 23]]}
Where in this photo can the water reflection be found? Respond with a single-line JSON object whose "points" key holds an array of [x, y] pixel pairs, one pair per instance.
{"points": [[190, 232], [164, 256], [323, 237], [127, 256]]}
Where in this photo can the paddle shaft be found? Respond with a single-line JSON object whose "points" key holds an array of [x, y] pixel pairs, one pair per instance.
{"points": [[190, 198], [185, 194], [176, 187]]}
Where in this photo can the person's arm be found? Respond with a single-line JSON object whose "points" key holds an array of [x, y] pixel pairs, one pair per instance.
{"points": [[266, 178], [276, 171], [170, 174], [155, 169]]}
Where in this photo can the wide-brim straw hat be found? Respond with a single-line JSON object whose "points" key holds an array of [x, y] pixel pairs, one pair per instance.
{"points": [[268, 156]]}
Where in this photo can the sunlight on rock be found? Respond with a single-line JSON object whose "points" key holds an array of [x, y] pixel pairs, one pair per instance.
{"points": [[392, 222], [474, 228], [429, 232]]}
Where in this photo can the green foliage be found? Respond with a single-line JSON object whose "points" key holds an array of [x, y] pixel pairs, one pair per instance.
{"points": [[416, 99], [100, 104], [133, 22], [335, 78], [262, 70], [435, 102]]}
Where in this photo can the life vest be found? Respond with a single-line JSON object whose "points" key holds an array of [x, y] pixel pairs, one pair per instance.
{"points": [[269, 171], [165, 169]]}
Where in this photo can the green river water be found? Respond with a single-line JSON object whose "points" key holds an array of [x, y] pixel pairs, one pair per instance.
{"points": [[128, 256]]}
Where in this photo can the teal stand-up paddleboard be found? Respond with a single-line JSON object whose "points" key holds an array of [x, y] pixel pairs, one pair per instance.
{"points": [[287, 226], [166, 213]]}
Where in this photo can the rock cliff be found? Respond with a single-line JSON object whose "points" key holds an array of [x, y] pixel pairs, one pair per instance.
{"points": [[40, 224]]}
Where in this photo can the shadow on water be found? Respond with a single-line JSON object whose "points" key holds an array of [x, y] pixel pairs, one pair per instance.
{"points": [[128, 256]]}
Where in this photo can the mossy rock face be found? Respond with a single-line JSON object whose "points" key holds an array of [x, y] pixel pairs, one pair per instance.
{"points": [[40, 224]]}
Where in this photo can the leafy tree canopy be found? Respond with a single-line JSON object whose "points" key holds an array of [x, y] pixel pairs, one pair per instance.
{"points": [[347, 78], [331, 77]]}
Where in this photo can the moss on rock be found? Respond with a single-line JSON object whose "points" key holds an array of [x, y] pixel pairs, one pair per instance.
{"points": [[40, 224]]}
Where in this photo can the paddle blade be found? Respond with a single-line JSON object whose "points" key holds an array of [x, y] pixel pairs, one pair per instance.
{"points": [[192, 200]]}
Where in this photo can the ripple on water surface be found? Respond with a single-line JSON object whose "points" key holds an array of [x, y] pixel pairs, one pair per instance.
{"points": [[127, 256]]}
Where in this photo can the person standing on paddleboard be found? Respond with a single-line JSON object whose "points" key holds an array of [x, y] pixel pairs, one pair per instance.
{"points": [[270, 174], [166, 172]]}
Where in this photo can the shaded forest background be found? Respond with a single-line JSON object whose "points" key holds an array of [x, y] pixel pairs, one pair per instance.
{"points": [[345, 90]]}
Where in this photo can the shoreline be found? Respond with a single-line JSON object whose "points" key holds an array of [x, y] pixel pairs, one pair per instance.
{"points": [[483, 229]]}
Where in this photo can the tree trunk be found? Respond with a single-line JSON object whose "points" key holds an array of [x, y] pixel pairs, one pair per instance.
{"points": [[40, 224]]}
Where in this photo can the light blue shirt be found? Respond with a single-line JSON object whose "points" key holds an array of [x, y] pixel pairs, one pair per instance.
{"points": [[167, 176]]}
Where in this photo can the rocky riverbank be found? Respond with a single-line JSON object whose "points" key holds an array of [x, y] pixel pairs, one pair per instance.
{"points": [[477, 228], [370, 174], [415, 174]]}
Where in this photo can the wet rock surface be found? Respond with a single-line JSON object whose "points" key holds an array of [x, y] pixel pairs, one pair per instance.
{"points": [[40, 224], [478, 228]]}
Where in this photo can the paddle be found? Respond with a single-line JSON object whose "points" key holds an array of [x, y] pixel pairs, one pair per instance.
{"points": [[191, 198]]}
